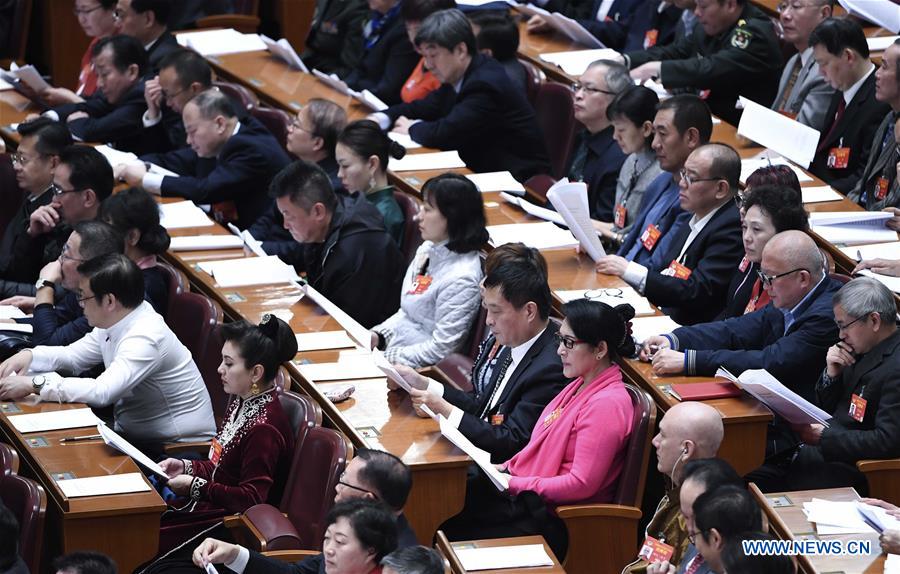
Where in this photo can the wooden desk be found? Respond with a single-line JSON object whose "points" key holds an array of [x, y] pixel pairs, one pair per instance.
{"points": [[448, 549], [124, 526], [14, 107], [789, 523]]}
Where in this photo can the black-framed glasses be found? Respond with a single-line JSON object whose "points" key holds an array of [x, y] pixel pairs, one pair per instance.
{"points": [[567, 342], [578, 86], [851, 323], [768, 279], [80, 12], [57, 190], [170, 97], [354, 487], [689, 179], [692, 536]]}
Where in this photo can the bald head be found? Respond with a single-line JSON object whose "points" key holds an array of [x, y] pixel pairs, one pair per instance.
{"points": [[689, 430], [795, 249]]}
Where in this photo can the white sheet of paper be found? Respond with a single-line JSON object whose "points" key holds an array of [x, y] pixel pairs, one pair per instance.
{"points": [[874, 219], [878, 516], [283, 50], [115, 157], [853, 235], [544, 235], [519, 556], [570, 200], [481, 457], [356, 331], [820, 194], [4, 85], [100, 485], [773, 130], [371, 100], [612, 297], [892, 564], [219, 42], [575, 62], [31, 78], [884, 13], [889, 250], [892, 283], [17, 327], [644, 327], [426, 161], [54, 420], [333, 81], [573, 30], [11, 312], [183, 214], [324, 340], [535, 210], [250, 241], [113, 439], [341, 371], [880, 43], [660, 90], [771, 392], [496, 181], [749, 165], [843, 514], [404, 140], [250, 271], [205, 242]]}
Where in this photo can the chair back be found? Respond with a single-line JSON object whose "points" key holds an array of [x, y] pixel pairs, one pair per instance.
{"points": [[240, 96], [9, 460], [534, 77], [302, 412], [28, 502], [276, 121], [412, 237], [209, 369], [246, 7], [17, 41], [630, 489], [555, 112], [539, 185], [315, 471], [175, 282]]}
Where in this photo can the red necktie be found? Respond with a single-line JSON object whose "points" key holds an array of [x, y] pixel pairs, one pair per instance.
{"points": [[837, 118]]}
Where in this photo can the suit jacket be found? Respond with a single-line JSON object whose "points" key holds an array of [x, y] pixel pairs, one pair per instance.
{"points": [[240, 173], [648, 19], [536, 380], [882, 162], [664, 188], [384, 67], [811, 95], [600, 170], [874, 378], [739, 291], [331, 45], [744, 60], [711, 257], [490, 123], [162, 47], [119, 123], [853, 131], [16, 255], [613, 30]]}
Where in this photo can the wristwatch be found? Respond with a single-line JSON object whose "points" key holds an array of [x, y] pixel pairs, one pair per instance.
{"points": [[41, 282], [37, 383]]}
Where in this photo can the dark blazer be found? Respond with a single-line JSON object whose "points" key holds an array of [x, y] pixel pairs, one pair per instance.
{"points": [[758, 341], [15, 257], [600, 171], [663, 188], [162, 47], [538, 378], [711, 257], [120, 124], [614, 29], [874, 378], [739, 291], [855, 128], [648, 18], [331, 45], [490, 123], [384, 67], [240, 173], [882, 162]]}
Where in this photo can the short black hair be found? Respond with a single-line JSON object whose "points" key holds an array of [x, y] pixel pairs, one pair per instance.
{"points": [[366, 139], [783, 205], [305, 184], [189, 67], [373, 525], [269, 344], [447, 29], [513, 252], [89, 170], [414, 560], [522, 280], [689, 111], [497, 32], [388, 475], [460, 203], [85, 563], [117, 275], [418, 10], [50, 137], [637, 104], [711, 473], [594, 321], [160, 8], [98, 238], [126, 50], [737, 561], [9, 537], [134, 208], [838, 34], [729, 509]]}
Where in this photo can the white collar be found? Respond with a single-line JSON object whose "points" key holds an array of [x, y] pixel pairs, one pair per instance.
{"points": [[850, 92], [697, 225], [237, 126], [805, 55], [125, 322]]}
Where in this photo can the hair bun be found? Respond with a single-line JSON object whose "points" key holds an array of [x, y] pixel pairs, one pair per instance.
{"points": [[281, 335], [627, 347], [397, 151]]}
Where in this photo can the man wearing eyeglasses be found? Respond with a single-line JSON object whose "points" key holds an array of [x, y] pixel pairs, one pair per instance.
{"points": [[182, 75]]}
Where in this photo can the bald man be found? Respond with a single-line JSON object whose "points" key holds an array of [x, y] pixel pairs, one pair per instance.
{"points": [[688, 431]]}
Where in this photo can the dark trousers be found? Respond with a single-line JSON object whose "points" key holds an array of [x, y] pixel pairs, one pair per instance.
{"points": [[808, 470]]}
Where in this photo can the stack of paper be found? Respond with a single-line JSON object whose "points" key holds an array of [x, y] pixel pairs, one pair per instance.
{"points": [[182, 214], [101, 485], [646, 327], [283, 50], [496, 181], [28, 75], [482, 458], [877, 517], [612, 297], [250, 271], [785, 402], [54, 420], [324, 340], [881, 43], [570, 200], [535, 210], [835, 517], [576, 62], [852, 227], [748, 166], [519, 556], [563, 24], [544, 235], [218, 42], [777, 132], [365, 97], [205, 242], [357, 368], [427, 161], [820, 194], [883, 13], [10, 312], [112, 438]]}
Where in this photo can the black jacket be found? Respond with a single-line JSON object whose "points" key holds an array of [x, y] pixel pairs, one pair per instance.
{"points": [[358, 266], [739, 291], [489, 122], [383, 68], [600, 171], [162, 47], [15, 248], [331, 45], [120, 124], [538, 378]]}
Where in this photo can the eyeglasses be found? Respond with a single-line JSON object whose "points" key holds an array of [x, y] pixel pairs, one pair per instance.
{"points": [[348, 485], [768, 279], [57, 190], [692, 536], [170, 97], [64, 255], [296, 125], [22, 160], [567, 342], [848, 325], [577, 87], [690, 180], [610, 292], [795, 6], [82, 300], [79, 12]]}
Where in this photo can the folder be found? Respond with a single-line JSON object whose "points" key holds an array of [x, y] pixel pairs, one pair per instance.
{"points": [[705, 391]]}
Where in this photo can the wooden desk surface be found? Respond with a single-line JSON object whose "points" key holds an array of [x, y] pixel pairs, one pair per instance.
{"points": [[505, 542], [789, 523], [124, 526]]}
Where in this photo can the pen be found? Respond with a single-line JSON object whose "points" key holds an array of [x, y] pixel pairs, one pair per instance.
{"points": [[859, 257], [78, 438]]}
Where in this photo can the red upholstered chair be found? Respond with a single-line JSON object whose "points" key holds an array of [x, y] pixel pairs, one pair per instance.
{"points": [[28, 502], [275, 120], [209, 370], [244, 19], [9, 460], [412, 238], [308, 497], [602, 537], [240, 95], [556, 117], [537, 186], [176, 282], [534, 77]]}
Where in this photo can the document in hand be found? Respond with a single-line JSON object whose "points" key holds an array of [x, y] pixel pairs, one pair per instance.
{"points": [[519, 556], [28, 75], [570, 200], [778, 132], [360, 334], [251, 242], [785, 402], [404, 140], [612, 296], [423, 161], [576, 62], [390, 372], [113, 439], [205, 242], [54, 420], [535, 210], [250, 271], [645, 327], [183, 214], [220, 42], [101, 485], [11, 312], [544, 235], [877, 517], [496, 181], [283, 50], [18, 327], [481, 457], [884, 13], [852, 227], [889, 250], [365, 97]]}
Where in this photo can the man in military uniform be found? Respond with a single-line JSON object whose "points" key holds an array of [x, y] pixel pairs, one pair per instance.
{"points": [[731, 51]]}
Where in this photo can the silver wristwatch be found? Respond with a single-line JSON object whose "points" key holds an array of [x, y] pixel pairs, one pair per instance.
{"points": [[37, 383]]}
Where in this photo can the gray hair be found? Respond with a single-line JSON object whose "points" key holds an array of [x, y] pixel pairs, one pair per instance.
{"points": [[447, 29], [213, 103], [414, 560], [328, 121], [865, 295], [617, 77]]}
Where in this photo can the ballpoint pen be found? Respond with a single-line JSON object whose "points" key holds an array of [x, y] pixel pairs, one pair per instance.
{"points": [[79, 438]]}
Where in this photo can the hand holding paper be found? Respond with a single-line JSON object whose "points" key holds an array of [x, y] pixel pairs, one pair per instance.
{"points": [[570, 200]]}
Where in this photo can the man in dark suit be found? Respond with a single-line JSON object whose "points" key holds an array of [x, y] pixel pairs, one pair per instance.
{"points": [[654, 24], [182, 75], [476, 110], [331, 45], [229, 164], [706, 245], [859, 387], [517, 371], [113, 114], [607, 20], [840, 49], [147, 21]]}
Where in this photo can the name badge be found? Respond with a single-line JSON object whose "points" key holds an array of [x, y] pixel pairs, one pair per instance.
{"points": [[650, 236], [655, 551], [745, 263], [650, 38], [420, 284], [838, 158], [215, 451], [497, 419], [676, 269], [857, 408], [554, 414], [881, 188], [620, 215]]}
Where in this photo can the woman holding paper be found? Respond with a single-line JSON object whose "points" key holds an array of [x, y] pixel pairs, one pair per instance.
{"points": [[249, 457], [135, 214], [577, 447], [440, 296]]}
